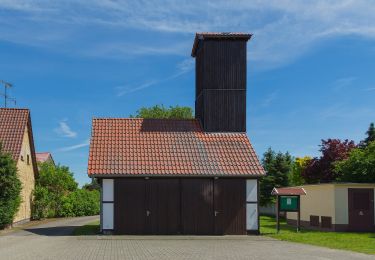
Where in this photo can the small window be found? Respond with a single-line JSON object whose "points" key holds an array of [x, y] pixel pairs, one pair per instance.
{"points": [[314, 221], [28, 159], [22, 158]]}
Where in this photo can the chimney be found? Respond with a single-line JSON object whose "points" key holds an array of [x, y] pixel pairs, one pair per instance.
{"points": [[220, 81]]}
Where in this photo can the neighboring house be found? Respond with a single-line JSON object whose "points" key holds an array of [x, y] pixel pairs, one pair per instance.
{"points": [[337, 207], [197, 176], [16, 137], [44, 157]]}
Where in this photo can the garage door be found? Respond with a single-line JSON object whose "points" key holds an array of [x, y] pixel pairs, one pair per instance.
{"points": [[147, 206], [361, 209], [180, 206]]}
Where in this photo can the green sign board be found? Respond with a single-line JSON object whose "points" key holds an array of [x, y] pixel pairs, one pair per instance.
{"points": [[288, 203]]}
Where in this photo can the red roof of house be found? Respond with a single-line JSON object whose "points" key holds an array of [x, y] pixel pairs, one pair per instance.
{"points": [[168, 147], [217, 35], [13, 122], [288, 191], [43, 157]]}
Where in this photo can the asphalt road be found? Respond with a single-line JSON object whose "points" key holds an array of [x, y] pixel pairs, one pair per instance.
{"points": [[53, 240]]}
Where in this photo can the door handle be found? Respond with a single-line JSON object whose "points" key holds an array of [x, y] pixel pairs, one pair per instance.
{"points": [[216, 213], [148, 213]]}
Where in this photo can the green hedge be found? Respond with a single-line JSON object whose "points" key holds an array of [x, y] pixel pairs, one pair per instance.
{"points": [[10, 189], [57, 194], [80, 203]]}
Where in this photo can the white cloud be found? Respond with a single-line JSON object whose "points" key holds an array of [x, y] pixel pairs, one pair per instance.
{"points": [[182, 68], [75, 147], [65, 130], [283, 29], [341, 83]]}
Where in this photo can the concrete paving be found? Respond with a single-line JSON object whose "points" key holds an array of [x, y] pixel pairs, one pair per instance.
{"points": [[53, 240]]}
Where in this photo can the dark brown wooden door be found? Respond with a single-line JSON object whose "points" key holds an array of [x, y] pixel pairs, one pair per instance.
{"points": [[130, 206], [230, 206], [197, 211], [163, 207], [361, 209]]}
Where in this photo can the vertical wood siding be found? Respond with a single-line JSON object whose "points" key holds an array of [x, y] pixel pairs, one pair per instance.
{"points": [[180, 206], [221, 85]]}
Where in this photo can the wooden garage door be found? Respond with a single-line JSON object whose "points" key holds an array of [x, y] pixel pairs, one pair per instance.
{"points": [[180, 206], [147, 206], [163, 206], [197, 206], [361, 209], [230, 206], [130, 206]]}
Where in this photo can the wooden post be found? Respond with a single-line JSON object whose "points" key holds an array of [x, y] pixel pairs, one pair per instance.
{"points": [[277, 214], [299, 214]]}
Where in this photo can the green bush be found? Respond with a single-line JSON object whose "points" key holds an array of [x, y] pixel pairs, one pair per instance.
{"points": [[10, 189], [81, 202], [57, 195]]}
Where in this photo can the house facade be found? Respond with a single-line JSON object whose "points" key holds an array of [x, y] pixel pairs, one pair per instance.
{"points": [[196, 176], [17, 139]]}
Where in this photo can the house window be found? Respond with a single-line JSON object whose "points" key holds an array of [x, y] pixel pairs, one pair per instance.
{"points": [[28, 159], [22, 158]]}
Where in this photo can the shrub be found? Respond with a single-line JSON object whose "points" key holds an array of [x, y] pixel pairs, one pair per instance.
{"points": [[10, 189], [81, 202]]}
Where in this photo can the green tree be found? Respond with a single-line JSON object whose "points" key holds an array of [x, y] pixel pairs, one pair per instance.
{"points": [[159, 111], [277, 165], [10, 189], [370, 136], [52, 185], [298, 166], [359, 166], [94, 185]]}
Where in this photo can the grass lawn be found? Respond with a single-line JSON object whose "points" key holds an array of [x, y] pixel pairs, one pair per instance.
{"points": [[87, 230], [359, 242]]}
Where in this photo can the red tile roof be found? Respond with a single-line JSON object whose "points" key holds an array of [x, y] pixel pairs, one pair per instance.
{"points": [[288, 191], [13, 123], [43, 157], [168, 147], [217, 35]]}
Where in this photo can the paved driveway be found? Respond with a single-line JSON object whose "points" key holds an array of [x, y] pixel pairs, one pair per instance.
{"points": [[53, 241]]}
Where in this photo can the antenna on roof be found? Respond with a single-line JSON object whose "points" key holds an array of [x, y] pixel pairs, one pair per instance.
{"points": [[5, 95]]}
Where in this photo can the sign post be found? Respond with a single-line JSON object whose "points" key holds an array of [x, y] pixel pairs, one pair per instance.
{"points": [[288, 200]]}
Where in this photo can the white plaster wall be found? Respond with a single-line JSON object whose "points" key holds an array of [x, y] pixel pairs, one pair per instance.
{"points": [[252, 208], [319, 201], [251, 216], [107, 208], [341, 205], [107, 190], [251, 191], [107, 216]]}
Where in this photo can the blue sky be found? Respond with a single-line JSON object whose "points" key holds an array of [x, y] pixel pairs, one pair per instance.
{"points": [[310, 66]]}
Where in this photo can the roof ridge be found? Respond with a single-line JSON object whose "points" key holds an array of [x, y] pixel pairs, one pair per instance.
{"points": [[129, 118], [14, 108]]}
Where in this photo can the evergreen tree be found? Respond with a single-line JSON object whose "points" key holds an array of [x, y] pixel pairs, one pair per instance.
{"points": [[277, 167], [370, 136]]}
